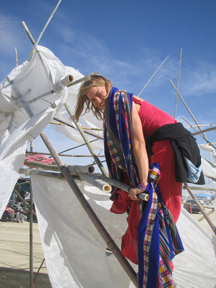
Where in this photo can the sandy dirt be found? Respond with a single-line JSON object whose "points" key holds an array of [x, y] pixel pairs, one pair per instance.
{"points": [[14, 257]]}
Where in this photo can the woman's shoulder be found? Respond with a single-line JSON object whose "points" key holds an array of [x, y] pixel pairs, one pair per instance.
{"points": [[137, 99]]}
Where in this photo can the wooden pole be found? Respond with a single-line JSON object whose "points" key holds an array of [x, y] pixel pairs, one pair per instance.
{"points": [[90, 212], [153, 76], [29, 34], [86, 141], [201, 134], [81, 79], [16, 57], [201, 208], [205, 130], [73, 126], [31, 237], [186, 107], [178, 84]]}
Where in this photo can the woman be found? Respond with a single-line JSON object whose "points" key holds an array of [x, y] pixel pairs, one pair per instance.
{"points": [[146, 119], [139, 136]]}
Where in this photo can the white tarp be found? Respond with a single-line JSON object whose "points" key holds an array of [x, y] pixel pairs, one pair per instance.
{"points": [[29, 97], [75, 252]]}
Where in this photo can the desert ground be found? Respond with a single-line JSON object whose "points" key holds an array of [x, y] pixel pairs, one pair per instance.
{"points": [[14, 257]]}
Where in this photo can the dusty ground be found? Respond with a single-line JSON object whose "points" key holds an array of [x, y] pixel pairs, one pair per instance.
{"points": [[14, 256]]}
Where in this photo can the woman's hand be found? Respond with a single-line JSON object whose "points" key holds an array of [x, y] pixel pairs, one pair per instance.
{"points": [[134, 192]]}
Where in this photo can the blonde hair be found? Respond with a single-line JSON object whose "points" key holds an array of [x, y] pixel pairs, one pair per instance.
{"points": [[82, 99]]}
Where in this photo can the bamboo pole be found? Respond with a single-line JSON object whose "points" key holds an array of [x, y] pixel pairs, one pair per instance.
{"points": [[95, 182], [90, 212], [74, 169], [16, 57], [86, 141], [200, 188], [208, 213], [201, 209], [66, 155], [73, 126], [186, 107], [31, 237], [178, 84], [152, 76], [205, 130], [30, 36], [202, 135], [81, 79], [143, 196]]}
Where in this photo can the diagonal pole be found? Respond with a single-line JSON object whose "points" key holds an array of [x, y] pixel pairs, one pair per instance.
{"points": [[48, 21], [86, 206], [153, 76], [213, 227], [79, 128]]}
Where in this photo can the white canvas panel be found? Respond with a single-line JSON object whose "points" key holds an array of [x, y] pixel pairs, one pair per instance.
{"points": [[80, 251]]}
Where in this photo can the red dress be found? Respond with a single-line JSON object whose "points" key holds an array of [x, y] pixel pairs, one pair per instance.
{"points": [[151, 118]]}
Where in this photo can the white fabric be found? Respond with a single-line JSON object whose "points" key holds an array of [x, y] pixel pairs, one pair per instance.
{"points": [[209, 149], [196, 266], [72, 245], [208, 170], [88, 120], [27, 82], [9, 167], [21, 120], [73, 248]]}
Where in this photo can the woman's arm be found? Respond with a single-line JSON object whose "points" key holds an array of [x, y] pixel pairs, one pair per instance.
{"points": [[140, 153]]}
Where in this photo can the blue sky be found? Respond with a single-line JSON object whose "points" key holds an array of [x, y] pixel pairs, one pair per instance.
{"points": [[126, 41]]}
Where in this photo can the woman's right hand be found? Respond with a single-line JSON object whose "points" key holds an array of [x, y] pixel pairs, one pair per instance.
{"points": [[134, 192]]}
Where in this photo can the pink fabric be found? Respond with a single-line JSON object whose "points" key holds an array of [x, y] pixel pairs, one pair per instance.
{"points": [[152, 117], [38, 158]]}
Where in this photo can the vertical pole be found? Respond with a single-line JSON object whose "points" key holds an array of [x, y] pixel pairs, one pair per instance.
{"points": [[31, 237], [178, 84]]}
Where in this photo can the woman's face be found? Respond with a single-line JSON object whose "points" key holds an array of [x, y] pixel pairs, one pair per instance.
{"points": [[97, 95]]}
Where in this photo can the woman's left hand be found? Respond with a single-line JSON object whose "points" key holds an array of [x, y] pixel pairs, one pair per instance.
{"points": [[134, 192]]}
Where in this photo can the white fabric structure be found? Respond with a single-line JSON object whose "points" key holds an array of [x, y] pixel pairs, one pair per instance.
{"points": [[29, 96], [75, 252]]}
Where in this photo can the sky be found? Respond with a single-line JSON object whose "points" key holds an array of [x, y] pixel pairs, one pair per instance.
{"points": [[126, 41]]}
